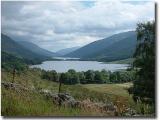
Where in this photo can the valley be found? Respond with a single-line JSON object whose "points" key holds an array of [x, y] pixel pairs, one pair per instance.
{"points": [[93, 80], [78, 59]]}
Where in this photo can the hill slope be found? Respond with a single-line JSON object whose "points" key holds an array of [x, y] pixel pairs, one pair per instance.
{"points": [[36, 49], [116, 47], [67, 50], [30, 103], [11, 46]]}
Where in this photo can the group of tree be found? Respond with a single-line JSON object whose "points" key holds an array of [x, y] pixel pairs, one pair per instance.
{"points": [[10, 62], [89, 77]]}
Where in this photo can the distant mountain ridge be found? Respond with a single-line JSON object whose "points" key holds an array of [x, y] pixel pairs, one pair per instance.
{"points": [[115, 47], [36, 49], [67, 50], [13, 47]]}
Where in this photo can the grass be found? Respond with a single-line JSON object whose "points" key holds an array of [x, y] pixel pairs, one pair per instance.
{"points": [[117, 93], [33, 104], [112, 89], [24, 103]]}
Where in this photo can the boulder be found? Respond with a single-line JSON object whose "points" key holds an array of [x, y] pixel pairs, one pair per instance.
{"points": [[15, 86], [64, 99]]}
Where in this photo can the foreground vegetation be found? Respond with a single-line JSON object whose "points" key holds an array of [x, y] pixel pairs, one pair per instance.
{"points": [[24, 103], [32, 104]]}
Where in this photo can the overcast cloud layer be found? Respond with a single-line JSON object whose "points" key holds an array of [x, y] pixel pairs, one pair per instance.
{"points": [[58, 25]]}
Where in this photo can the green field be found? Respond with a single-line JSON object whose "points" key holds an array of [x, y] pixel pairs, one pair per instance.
{"points": [[112, 89], [24, 103]]}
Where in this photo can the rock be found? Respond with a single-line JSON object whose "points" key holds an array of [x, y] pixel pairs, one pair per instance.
{"points": [[14, 86], [63, 99], [110, 107], [137, 115], [8, 85], [130, 112], [32, 88], [45, 91]]}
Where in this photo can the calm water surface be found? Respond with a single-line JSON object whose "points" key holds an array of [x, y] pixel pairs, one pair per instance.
{"points": [[64, 66]]}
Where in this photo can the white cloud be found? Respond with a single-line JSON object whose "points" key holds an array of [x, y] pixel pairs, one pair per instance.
{"points": [[56, 25]]}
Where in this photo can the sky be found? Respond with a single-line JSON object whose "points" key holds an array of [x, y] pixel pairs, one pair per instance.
{"points": [[56, 25]]}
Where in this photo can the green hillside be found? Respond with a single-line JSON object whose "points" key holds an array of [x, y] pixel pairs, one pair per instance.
{"points": [[29, 103], [124, 61], [116, 47], [36, 49], [17, 101], [119, 50], [12, 47], [10, 61]]}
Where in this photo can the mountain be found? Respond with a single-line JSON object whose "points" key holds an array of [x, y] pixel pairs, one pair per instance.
{"points": [[67, 50], [116, 47], [10, 46], [36, 49]]}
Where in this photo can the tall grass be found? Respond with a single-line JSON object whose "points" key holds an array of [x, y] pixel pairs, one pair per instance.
{"points": [[24, 103], [33, 104]]}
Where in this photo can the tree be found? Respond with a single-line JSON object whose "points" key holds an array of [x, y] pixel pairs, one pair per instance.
{"points": [[105, 76], [54, 76], [63, 78], [82, 77], [73, 77], [144, 63], [98, 77], [11, 61], [89, 75], [114, 77]]}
